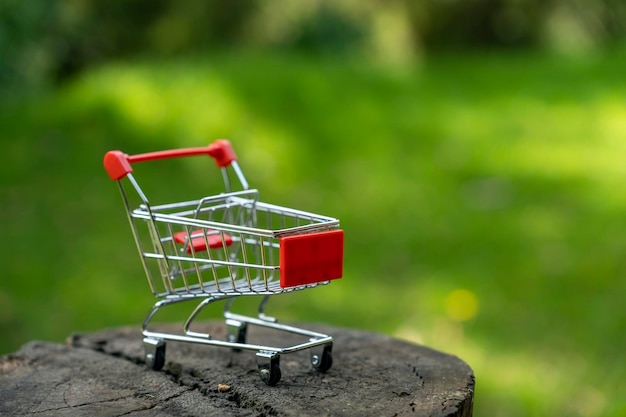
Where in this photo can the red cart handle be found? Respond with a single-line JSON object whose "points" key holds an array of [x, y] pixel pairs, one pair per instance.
{"points": [[118, 164]]}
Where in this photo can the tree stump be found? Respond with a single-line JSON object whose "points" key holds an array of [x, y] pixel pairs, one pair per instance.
{"points": [[103, 374]]}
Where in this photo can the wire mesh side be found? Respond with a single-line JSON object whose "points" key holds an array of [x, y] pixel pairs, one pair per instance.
{"points": [[223, 244], [197, 254]]}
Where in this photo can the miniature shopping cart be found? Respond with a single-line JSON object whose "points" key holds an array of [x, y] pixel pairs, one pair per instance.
{"points": [[224, 246]]}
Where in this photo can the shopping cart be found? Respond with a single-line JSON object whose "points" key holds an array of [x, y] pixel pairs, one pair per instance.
{"points": [[224, 246]]}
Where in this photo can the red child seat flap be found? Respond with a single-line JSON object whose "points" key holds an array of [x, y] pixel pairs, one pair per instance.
{"points": [[198, 241]]}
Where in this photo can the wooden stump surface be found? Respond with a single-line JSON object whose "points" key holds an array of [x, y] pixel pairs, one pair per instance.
{"points": [[103, 374]]}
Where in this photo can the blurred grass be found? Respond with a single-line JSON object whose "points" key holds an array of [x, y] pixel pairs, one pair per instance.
{"points": [[479, 194]]}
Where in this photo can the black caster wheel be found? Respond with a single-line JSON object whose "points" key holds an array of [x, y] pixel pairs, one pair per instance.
{"points": [[237, 332], [270, 375], [322, 359], [155, 353], [269, 367]]}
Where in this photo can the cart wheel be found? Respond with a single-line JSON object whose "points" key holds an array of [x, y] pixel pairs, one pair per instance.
{"points": [[322, 362], [237, 332], [270, 375], [155, 353], [269, 367]]}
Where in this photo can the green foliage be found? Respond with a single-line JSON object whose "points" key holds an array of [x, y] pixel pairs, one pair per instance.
{"points": [[479, 194], [329, 31], [46, 41]]}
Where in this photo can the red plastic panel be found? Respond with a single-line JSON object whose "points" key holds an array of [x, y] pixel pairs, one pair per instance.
{"points": [[310, 258], [197, 240]]}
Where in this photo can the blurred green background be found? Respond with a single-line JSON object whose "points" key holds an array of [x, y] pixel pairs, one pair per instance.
{"points": [[473, 151]]}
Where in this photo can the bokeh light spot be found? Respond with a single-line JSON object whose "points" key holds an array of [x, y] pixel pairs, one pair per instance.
{"points": [[461, 305]]}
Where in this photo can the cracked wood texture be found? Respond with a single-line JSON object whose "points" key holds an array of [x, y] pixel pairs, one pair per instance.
{"points": [[103, 374]]}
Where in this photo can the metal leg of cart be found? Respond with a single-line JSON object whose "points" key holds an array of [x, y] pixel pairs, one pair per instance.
{"points": [[268, 357], [237, 330]]}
